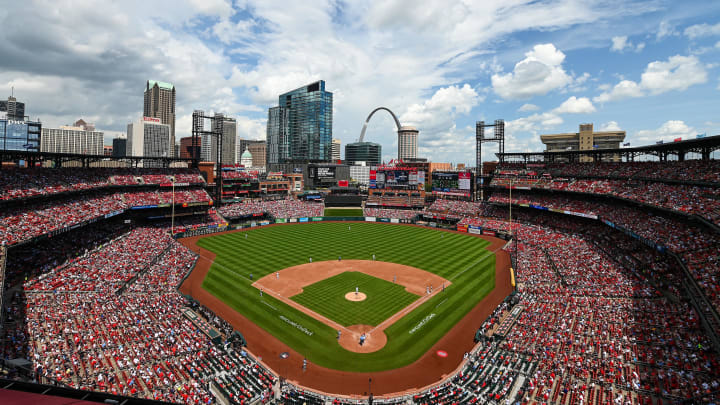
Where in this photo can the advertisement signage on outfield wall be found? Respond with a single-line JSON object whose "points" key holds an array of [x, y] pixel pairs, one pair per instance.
{"points": [[315, 219], [395, 220], [474, 230], [462, 228], [304, 219], [369, 219], [280, 220], [293, 220]]}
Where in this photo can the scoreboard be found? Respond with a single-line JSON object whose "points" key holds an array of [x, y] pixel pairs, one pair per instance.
{"points": [[396, 178], [452, 183]]}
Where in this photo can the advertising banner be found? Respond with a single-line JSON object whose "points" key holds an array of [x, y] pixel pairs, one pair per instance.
{"points": [[293, 220], [323, 172], [464, 180], [489, 232], [395, 220], [280, 220], [369, 219], [303, 219], [316, 219]]}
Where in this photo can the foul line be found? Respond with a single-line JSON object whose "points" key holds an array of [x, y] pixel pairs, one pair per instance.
{"points": [[474, 264]]}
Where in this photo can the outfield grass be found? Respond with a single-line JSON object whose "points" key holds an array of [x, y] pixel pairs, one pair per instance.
{"points": [[461, 259], [344, 212], [327, 298]]}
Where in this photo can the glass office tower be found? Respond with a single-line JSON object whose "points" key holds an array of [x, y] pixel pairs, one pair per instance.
{"points": [[368, 152], [300, 127]]}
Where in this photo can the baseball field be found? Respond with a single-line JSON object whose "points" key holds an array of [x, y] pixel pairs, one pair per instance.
{"points": [[245, 258]]}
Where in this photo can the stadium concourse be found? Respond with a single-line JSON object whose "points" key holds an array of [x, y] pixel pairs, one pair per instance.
{"points": [[617, 293]]}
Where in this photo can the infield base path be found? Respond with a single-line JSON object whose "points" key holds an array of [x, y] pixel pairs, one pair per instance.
{"points": [[427, 370]]}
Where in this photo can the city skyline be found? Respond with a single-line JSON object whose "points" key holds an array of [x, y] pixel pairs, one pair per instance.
{"points": [[651, 68]]}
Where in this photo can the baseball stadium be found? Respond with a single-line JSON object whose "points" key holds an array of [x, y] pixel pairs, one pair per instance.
{"points": [[569, 277]]}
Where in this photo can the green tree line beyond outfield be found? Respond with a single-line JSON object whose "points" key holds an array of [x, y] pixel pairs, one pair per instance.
{"points": [[462, 259]]}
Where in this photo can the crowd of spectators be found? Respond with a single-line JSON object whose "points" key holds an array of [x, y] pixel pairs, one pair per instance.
{"points": [[645, 182], [388, 200], [77, 331], [17, 183], [703, 171], [389, 213], [457, 207], [696, 245], [285, 208], [26, 221], [600, 332]]}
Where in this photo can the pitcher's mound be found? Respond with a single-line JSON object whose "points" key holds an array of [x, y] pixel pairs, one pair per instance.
{"points": [[353, 296]]}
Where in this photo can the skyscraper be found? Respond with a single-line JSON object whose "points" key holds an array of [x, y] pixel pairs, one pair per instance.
{"points": [[149, 138], [14, 110], [80, 138], [160, 103], [407, 143], [208, 148], [368, 152], [300, 127], [336, 144]]}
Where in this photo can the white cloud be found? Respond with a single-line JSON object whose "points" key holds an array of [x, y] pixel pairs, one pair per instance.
{"points": [[438, 114], [667, 132], [622, 90], [677, 73], [702, 30], [665, 30], [228, 32], [219, 8], [248, 128], [620, 44], [539, 73], [528, 107], [574, 105], [609, 126], [436, 120], [533, 123]]}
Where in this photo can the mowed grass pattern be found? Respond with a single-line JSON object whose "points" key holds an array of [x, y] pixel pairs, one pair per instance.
{"points": [[327, 298], [343, 212], [459, 258]]}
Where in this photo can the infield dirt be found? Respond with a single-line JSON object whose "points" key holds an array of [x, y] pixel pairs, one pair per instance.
{"points": [[427, 370]]}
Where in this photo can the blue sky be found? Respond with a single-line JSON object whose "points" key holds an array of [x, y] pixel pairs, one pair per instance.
{"points": [[651, 68]]}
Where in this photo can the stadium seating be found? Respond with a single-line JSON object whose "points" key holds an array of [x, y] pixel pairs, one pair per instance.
{"points": [[599, 316], [389, 213], [80, 333], [286, 208], [651, 183]]}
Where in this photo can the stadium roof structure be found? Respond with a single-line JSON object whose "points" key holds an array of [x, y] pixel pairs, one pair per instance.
{"points": [[60, 158], [703, 146]]}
